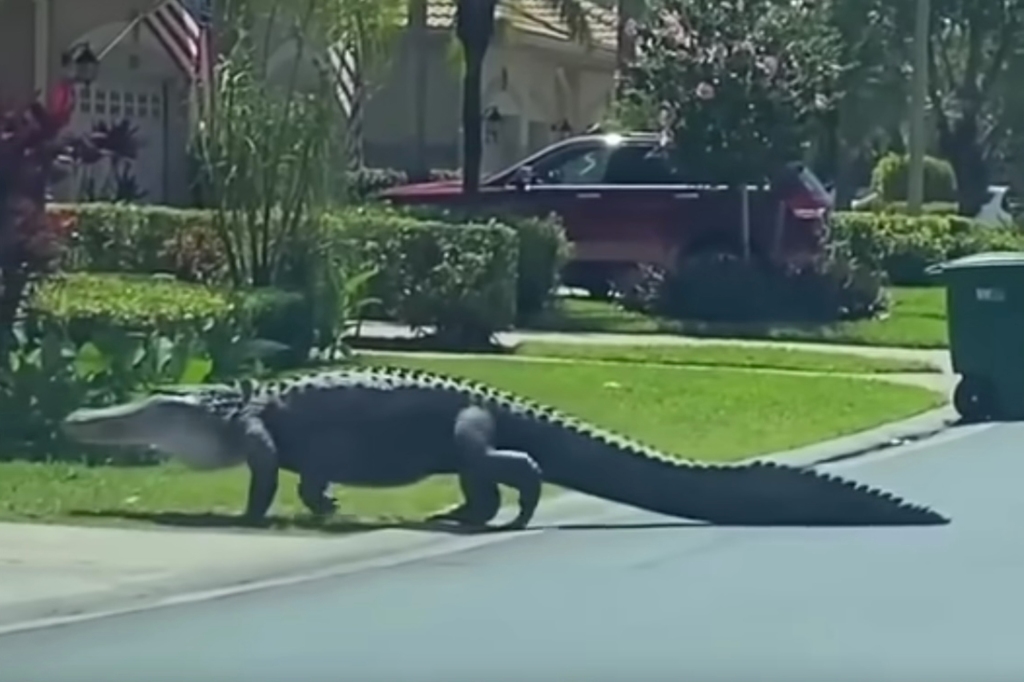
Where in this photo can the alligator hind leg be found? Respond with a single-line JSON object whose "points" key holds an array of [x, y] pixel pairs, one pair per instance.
{"points": [[482, 467], [313, 493]]}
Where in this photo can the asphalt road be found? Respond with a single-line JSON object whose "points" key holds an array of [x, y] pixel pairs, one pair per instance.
{"points": [[668, 602]]}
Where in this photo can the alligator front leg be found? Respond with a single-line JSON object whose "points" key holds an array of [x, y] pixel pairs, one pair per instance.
{"points": [[482, 467], [261, 457]]}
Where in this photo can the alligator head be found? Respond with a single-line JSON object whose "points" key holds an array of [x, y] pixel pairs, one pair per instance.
{"points": [[191, 427]]}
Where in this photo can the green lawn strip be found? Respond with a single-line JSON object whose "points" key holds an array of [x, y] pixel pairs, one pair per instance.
{"points": [[725, 355], [703, 414], [916, 319]]}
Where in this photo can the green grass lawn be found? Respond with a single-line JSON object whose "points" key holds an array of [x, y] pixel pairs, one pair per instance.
{"points": [[712, 415], [917, 319], [725, 355]]}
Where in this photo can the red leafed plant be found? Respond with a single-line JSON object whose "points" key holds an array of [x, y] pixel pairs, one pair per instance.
{"points": [[34, 152]]}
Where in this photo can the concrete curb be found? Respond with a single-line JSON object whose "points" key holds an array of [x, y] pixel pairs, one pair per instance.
{"points": [[391, 547]]}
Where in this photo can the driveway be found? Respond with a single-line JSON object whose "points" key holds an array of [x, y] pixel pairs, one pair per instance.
{"points": [[636, 596]]}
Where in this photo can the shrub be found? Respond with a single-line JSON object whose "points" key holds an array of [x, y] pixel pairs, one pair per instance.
{"points": [[96, 339], [720, 287], [143, 239], [460, 279], [543, 251], [364, 183], [903, 246], [932, 208], [889, 178]]}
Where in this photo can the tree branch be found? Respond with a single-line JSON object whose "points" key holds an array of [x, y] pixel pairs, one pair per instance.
{"points": [[1001, 56], [934, 93]]}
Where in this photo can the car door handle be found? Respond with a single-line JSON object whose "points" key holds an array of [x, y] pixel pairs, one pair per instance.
{"points": [[588, 195], [685, 195]]}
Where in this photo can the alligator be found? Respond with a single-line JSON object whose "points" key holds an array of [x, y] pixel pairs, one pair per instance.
{"points": [[382, 426]]}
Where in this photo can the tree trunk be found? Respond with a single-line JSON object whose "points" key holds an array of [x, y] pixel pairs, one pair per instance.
{"points": [[13, 284], [472, 119], [963, 150], [420, 170]]}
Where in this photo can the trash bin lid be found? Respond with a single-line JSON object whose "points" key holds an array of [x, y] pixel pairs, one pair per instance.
{"points": [[989, 259]]}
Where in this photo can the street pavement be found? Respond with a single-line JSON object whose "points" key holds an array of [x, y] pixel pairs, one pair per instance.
{"points": [[631, 596]]}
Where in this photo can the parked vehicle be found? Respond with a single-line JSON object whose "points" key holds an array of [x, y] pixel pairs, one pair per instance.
{"points": [[994, 213], [624, 201]]}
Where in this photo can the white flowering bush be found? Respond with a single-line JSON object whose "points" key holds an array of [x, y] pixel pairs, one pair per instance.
{"points": [[741, 83]]}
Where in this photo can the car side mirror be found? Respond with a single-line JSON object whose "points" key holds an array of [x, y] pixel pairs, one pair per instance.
{"points": [[523, 177]]}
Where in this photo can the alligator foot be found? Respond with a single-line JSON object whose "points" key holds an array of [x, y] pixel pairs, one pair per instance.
{"points": [[464, 514], [313, 493]]}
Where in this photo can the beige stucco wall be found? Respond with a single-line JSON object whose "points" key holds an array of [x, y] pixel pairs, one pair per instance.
{"points": [[17, 46], [534, 86]]}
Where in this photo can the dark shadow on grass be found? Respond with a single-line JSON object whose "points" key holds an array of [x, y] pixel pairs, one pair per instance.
{"points": [[334, 526], [429, 343]]}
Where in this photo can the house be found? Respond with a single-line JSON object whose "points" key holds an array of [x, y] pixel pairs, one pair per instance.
{"points": [[538, 84]]}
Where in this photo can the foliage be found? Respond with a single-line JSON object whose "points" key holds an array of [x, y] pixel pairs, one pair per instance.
{"points": [[364, 183], [126, 238], [740, 82], [266, 158], [544, 250], [972, 47], [875, 86], [905, 245], [720, 287], [118, 145], [34, 152], [901, 207], [459, 279], [890, 179], [97, 339]]}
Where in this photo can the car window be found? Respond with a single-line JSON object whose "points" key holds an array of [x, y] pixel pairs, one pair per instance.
{"points": [[579, 166], [640, 165]]}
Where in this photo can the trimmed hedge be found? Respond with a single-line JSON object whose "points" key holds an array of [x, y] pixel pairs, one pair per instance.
{"points": [[89, 307], [459, 279], [364, 183], [903, 246], [97, 339], [130, 238], [890, 177], [544, 250]]}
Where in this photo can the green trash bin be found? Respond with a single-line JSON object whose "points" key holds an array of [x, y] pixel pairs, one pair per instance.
{"points": [[985, 312]]}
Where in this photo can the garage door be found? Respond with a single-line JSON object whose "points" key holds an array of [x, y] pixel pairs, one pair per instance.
{"points": [[145, 108]]}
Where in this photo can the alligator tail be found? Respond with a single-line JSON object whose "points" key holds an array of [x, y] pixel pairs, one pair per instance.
{"points": [[576, 456]]}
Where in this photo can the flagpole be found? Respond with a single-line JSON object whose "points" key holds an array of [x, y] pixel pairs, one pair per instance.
{"points": [[125, 31]]}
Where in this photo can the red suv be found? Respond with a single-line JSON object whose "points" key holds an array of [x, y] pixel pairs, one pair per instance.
{"points": [[624, 201]]}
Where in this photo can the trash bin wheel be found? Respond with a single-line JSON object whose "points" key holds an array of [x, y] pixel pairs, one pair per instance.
{"points": [[974, 399]]}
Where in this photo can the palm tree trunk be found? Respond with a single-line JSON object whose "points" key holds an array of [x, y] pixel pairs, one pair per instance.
{"points": [[472, 120]]}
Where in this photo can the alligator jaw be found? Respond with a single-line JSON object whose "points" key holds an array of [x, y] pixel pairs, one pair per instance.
{"points": [[116, 425]]}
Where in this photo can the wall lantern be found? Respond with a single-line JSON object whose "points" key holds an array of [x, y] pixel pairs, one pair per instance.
{"points": [[492, 123], [80, 64]]}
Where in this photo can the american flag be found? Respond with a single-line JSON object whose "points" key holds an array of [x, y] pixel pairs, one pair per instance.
{"points": [[185, 29], [343, 67]]}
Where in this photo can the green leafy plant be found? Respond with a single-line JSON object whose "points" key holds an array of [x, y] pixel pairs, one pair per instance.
{"points": [[50, 374], [903, 246], [890, 177], [459, 279], [721, 287], [544, 250]]}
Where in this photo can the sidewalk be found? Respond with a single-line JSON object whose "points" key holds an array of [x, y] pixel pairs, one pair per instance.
{"points": [[937, 381], [939, 357]]}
